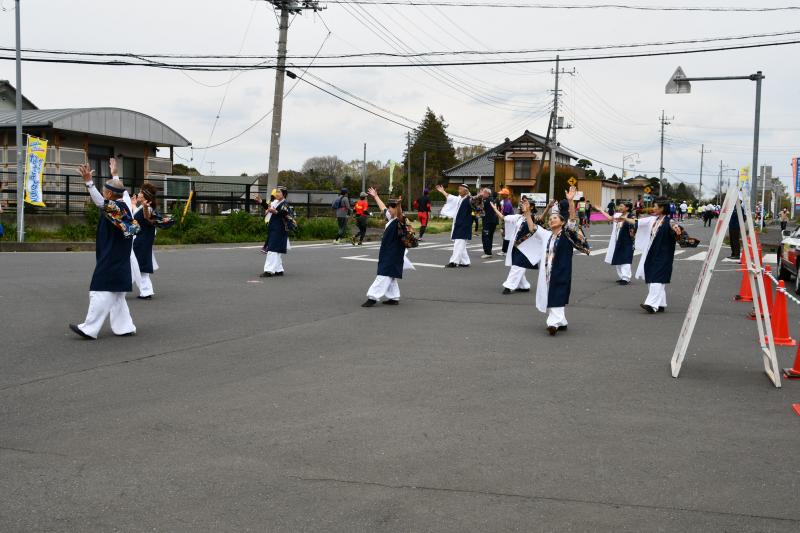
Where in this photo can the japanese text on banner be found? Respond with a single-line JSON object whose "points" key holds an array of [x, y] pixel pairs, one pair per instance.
{"points": [[35, 156]]}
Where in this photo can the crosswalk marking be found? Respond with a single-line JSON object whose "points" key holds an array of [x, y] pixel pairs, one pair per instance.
{"points": [[372, 260], [598, 252], [697, 257]]}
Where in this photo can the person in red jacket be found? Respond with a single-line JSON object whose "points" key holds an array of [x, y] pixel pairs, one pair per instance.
{"points": [[361, 214], [423, 207]]}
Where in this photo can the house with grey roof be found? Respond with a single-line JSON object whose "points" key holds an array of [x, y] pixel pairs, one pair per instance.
{"points": [[90, 136]]}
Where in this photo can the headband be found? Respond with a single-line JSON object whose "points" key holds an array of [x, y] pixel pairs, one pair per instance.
{"points": [[118, 190]]}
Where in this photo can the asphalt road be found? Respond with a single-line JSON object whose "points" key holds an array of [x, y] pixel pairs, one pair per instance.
{"points": [[247, 404]]}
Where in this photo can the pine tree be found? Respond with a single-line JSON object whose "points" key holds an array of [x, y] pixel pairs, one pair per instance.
{"points": [[430, 137]]}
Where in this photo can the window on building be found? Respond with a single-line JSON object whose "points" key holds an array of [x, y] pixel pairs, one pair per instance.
{"points": [[98, 157], [522, 169]]}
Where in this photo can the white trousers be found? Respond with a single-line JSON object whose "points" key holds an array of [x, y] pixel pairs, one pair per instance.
{"points": [[384, 286], [101, 304], [624, 271], [273, 263], [145, 284], [516, 279], [656, 295], [556, 316], [460, 255]]}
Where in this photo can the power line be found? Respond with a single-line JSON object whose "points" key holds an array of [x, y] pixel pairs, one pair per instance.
{"points": [[221, 67], [520, 5], [396, 54]]}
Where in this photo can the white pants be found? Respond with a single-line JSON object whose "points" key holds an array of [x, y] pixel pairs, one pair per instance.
{"points": [[516, 279], [556, 316], [624, 271], [384, 286], [273, 263], [656, 295], [145, 284], [460, 255], [101, 304]]}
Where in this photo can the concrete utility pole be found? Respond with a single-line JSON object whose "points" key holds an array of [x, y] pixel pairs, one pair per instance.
{"points": [[664, 122], [408, 167], [555, 127], [703, 152], [286, 7], [20, 148], [364, 171], [719, 182]]}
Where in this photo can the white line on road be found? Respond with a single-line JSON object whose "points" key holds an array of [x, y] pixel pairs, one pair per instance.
{"points": [[697, 257], [371, 260], [598, 252]]}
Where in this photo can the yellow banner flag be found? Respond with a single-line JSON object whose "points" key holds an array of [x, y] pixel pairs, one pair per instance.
{"points": [[36, 154]]}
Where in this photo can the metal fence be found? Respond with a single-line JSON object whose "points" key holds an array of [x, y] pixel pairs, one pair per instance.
{"points": [[66, 194]]}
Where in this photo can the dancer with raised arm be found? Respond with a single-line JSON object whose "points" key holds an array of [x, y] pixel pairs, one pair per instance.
{"points": [[392, 255], [459, 208], [656, 238], [620, 245]]}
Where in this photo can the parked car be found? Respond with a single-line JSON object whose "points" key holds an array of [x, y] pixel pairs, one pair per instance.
{"points": [[789, 257]]}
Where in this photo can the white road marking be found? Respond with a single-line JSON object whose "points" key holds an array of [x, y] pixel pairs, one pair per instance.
{"points": [[697, 257], [487, 262], [598, 252], [679, 252], [371, 260]]}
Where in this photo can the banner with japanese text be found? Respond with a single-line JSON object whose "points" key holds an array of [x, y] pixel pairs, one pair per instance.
{"points": [[35, 156]]}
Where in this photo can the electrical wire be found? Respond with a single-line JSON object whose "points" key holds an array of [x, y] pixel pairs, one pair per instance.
{"points": [[519, 5]]}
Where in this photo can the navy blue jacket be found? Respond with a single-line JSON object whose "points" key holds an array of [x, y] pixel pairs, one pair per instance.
{"points": [[560, 273], [658, 265], [462, 224], [489, 216], [519, 259], [392, 252], [112, 273], [277, 237], [143, 243], [623, 250]]}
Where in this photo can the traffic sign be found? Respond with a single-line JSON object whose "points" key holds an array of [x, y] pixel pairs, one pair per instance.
{"points": [[648, 190], [677, 84], [572, 181]]}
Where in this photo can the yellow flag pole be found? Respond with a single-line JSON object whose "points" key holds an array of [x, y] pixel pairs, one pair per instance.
{"points": [[188, 203]]}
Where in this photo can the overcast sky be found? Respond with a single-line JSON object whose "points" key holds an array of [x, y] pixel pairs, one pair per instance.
{"points": [[614, 104]]}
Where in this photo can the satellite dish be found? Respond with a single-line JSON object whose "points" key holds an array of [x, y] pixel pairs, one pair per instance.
{"points": [[677, 83]]}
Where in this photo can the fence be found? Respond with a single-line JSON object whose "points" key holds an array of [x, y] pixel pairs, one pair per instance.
{"points": [[66, 194]]}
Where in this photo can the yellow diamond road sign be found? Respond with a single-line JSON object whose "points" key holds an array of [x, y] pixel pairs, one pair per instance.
{"points": [[647, 190], [572, 181]]}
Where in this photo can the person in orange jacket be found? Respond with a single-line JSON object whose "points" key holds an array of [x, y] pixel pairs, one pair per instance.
{"points": [[361, 214]]}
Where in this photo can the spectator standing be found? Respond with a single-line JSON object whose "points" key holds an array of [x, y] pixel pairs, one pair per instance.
{"points": [[784, 218], [490, 221], [423, 207], [342, 207], [684, 208], [506, 208]]}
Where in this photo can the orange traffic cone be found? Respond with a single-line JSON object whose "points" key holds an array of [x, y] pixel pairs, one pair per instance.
{"points": [[768, 291], [745, 294], [780, 321], [794, 372]]}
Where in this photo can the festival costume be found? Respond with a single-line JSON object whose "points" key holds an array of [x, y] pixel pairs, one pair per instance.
{"points": [[656, 240], [620, 247], [112, 273], [525, 253], [392, 261], [143, 248], [459, 208], [277, 237]]}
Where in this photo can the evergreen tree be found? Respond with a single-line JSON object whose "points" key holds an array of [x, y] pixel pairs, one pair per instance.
{"points": [[430, 137]]}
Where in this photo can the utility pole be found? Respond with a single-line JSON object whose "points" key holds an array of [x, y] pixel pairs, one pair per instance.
{"points": [[408, 167], [424, 166], [664, 122], [20, 148], [719, 183], [286, 7], [702, 153], [557, 125], [364, 171]]}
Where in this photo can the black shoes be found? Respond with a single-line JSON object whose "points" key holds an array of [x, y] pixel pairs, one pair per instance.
{"points": [[450, 265], [279, 273], [391, 302], [129, 334], [552, 330], [562, 328], [523, 290], [661, 310], [463, 266], [265, 275], [80, 333], [140, 297], [647, 308], [622, 282], [369, 303], [506, 290]]}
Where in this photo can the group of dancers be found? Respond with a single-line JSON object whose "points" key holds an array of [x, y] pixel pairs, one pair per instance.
{"points": [[545, 242]]}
